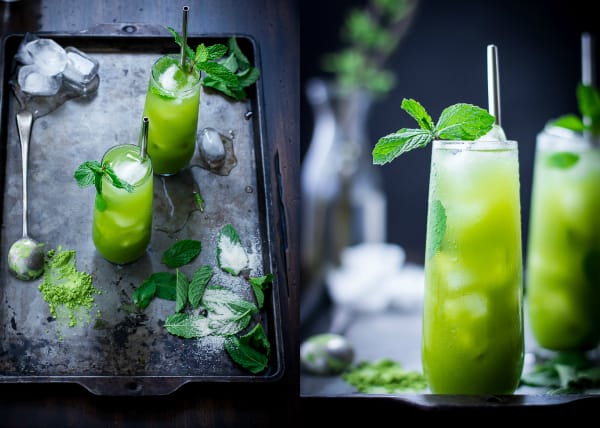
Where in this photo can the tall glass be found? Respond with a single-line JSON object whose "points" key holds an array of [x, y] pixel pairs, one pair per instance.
{"points": [[122, 222], [172, 103], [473, 318], [563, 256]]}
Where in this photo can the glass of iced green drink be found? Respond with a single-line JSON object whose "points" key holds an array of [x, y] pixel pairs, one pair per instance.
{"points": [[122, 221], [472, 322], [172, 103], [563, 255]]}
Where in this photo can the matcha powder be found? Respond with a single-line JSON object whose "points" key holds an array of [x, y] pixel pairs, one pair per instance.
{"points": [[65, 289]]}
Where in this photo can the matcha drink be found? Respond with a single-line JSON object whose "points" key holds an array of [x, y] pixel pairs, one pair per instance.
{"points": [[472, 323], [563, 276], [172, 103], [122, 222]]}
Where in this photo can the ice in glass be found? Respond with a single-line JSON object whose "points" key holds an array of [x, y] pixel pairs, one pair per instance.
{"points": [[172, 103], [563, 257], [472, 339], [122, 221]]}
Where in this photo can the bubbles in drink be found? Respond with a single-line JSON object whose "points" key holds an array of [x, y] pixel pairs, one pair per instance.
{"points": [[32, 81], [47, 55]]}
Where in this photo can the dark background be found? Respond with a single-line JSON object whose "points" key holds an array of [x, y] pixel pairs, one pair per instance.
{"points": [[442, 61]]}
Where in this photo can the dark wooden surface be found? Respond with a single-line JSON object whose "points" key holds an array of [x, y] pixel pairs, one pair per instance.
{"points": [[275, 26]]}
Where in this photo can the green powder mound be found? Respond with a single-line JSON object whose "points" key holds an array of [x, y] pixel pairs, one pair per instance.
{"points": [[63, 286], [384, 377]]}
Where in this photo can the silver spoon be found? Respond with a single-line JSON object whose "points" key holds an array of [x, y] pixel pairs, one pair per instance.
{"points": [[26, 255]]}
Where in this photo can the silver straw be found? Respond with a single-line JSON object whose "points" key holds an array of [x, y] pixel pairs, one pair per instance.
{"points": [[143, 140], [493, 83], [587, 59], [184, 25]]}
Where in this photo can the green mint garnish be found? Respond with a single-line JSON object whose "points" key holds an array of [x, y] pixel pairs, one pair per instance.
{"points": [[231, 256], [199, 201], [588, 99], [181, 287], [92, 172], [198, 284], [562, 160], [166, 285], [181, 253], [142, 296], [259, 284], [251, 350], [437, 226], [457, 122], [227, 73]]}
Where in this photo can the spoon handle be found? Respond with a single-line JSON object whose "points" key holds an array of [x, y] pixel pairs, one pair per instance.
{"points": [[24, 123]]}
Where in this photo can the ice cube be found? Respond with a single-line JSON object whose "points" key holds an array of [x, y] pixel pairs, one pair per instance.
{"points": [[130, 169], [494, 134], [47, 55], [33, 82], [212, 148], [81, 68]]}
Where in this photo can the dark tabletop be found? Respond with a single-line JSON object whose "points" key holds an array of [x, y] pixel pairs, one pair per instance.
{"points": [[275, 27]]}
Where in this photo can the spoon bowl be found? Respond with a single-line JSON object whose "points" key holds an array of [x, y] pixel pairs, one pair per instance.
{"points": [[26, 255]]}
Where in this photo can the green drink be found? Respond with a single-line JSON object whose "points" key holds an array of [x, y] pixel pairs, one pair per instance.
{"points": [[472, 322], [122, 222], [563, 259], [172, 103]]}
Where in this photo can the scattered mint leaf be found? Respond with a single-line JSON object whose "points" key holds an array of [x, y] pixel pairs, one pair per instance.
{"points": [[222, 304], [181, 295], [569, 121], [186, 325], [142, 296], [231, 256], [198, 284], [259, 284], [92, 172], [438, 226], [562, 160], [251, 350], [181, 253], [199, 201], [457, 122], [166, 285]]}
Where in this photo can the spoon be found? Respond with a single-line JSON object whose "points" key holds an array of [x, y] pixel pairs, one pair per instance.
{"points": [[26, 255]]}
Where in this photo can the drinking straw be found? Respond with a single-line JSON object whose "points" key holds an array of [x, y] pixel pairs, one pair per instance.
{"points": [[493, 83], [143, 140], [587, 59], [186, 10]]}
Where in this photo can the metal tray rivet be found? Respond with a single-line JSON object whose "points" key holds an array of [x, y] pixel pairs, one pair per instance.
{"points": [[129, 29], [133, 386]]}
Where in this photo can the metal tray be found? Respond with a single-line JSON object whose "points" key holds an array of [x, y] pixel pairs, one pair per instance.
{"points": [[127, 351]]}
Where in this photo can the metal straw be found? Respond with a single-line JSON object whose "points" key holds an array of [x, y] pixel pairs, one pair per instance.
{"points": [[143, 140], [493, 83], [184, 25], [587, 59]]}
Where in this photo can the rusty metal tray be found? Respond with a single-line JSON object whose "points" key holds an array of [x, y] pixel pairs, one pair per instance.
{"points": [[126, 350]]}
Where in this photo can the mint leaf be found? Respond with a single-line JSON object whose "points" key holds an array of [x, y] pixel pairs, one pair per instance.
{"points": [[241, 59], [231, 256], [569, 121], [418, 112], [463, 122], [198, 284], [165, 285], [189, 53], [259, 284], [142, 296], [250, 351], [227, 312], [199, 201], [181, 295], [391, 146], [458, 122], [181, 253], [437, 227], [188, 326], [92, 172], [562, 160]]}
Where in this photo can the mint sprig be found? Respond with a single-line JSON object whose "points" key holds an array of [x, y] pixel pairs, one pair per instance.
{"points": [[92, 172], [226, 68], [588, 120], [457, 122]]}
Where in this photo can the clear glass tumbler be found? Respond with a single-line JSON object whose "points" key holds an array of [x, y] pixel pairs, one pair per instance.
{"points": [[563, 255], [122, 221], [172, 103], [473, 341]]}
